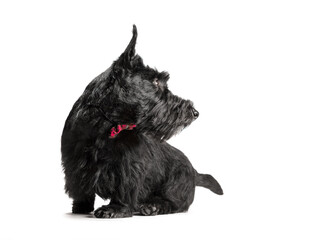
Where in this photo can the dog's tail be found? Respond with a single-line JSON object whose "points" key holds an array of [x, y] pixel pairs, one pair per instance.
{"points": [[207, 181]]}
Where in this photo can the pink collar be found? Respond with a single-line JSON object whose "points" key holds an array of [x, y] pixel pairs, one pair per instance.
{"points": [[119, 128]]}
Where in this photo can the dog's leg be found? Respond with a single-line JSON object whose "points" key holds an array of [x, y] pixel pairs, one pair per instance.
{"points": [[113, 210], [180, 188], [177, 194], [83, 198], [83, 204]]}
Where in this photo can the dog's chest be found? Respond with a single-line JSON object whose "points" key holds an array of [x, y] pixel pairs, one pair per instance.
{"points": [[122, 165]]}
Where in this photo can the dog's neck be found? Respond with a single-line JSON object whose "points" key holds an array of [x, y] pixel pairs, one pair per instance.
{"points": [[116, 130]]}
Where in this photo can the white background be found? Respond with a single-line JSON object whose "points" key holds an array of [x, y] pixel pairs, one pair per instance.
{"points": [[251, 68]]}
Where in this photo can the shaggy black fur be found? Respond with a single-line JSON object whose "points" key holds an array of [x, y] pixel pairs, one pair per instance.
{"points": [[137, 169]]}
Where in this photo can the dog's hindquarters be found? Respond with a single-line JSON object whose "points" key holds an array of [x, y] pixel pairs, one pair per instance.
{"points": [[207, 181]]}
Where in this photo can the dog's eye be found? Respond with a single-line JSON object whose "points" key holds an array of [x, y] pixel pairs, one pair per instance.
{"points": [[155, 82]]}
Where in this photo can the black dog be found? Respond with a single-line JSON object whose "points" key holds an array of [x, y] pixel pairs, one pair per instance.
{"points": [[113, 144]]}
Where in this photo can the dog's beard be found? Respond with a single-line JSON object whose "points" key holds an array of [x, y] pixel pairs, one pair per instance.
{"points": [[166, 120], [167, 135]]}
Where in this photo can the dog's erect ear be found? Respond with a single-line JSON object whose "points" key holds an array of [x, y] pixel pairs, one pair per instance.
{"points": [[126, 59]]}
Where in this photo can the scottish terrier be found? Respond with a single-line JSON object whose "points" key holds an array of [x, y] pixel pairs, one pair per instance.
{"points": [[114, 144]]}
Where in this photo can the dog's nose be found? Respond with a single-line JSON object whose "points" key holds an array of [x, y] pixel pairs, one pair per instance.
{"points": [[195, 113]]}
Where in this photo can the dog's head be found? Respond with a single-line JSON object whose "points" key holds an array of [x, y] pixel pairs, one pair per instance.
{"points": [[143, 97]]}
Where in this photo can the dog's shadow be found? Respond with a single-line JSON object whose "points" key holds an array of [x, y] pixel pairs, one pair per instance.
{"points": [[91, 216], [79, 216]]}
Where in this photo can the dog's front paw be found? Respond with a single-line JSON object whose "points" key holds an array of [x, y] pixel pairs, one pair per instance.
{"points": [[82, 208], [149, 209], [112, 212], [104, 212]]}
